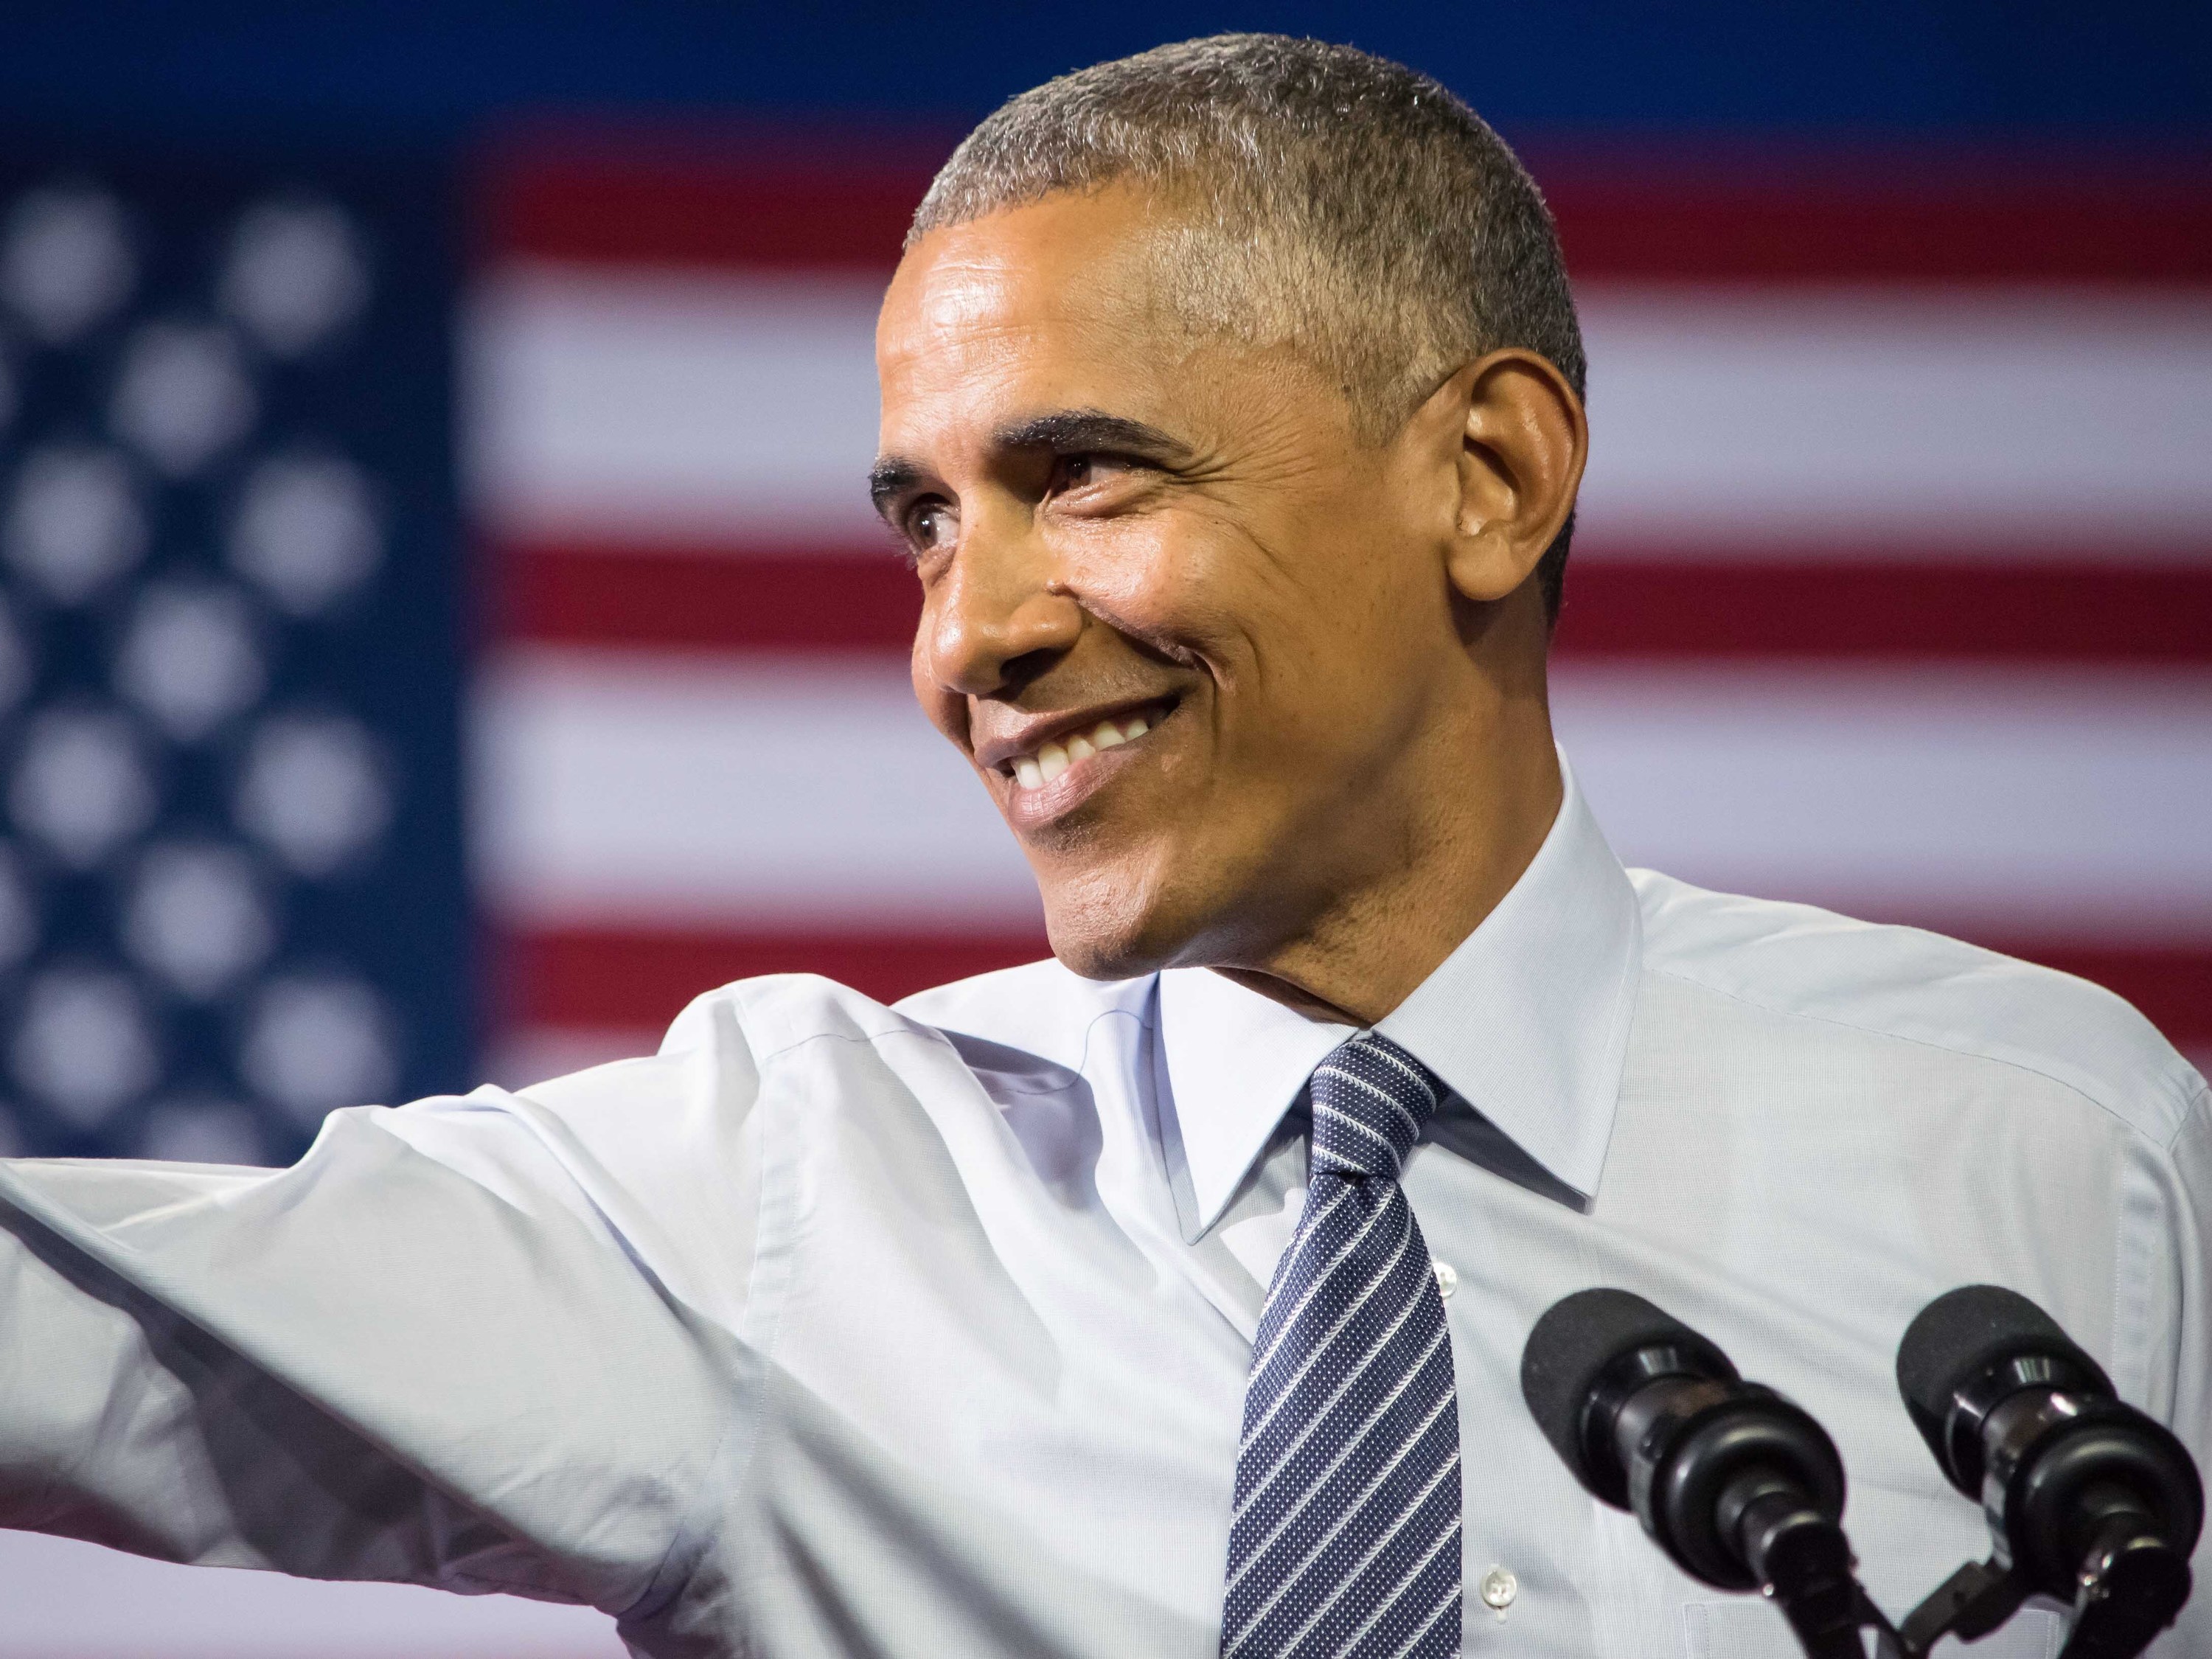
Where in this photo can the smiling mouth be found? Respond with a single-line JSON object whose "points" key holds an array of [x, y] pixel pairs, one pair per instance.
{"points": [[1053, 756]]}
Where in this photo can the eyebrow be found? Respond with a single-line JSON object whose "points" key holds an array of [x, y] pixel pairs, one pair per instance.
{"points": [[890, 477], [1069, 432], [1064, 432]]}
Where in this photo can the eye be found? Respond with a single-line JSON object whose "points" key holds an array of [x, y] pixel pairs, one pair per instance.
{"points": [[1077, 471], [930, 524]]}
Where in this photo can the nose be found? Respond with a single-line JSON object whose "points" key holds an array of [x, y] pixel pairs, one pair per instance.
{"points": [[996, 618]]}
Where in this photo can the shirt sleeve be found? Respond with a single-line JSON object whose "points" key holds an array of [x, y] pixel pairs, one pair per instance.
{"points": [[428, 1352]]}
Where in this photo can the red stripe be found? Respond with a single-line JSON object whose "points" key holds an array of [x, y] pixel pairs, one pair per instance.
{"points": [[1847, 608], [691, 197], [640, 980], [709, 600], [1855, 229], [772, 200], [1842, 606]]}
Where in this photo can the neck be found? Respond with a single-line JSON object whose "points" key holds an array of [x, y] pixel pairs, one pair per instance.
{"points": [[1374, 944]]}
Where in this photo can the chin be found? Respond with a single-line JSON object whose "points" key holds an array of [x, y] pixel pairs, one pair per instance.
{"points": [[1167, 903], [1114, 923], [1105, 947]]}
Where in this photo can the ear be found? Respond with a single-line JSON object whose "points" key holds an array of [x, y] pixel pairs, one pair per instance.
{"points": [[1522, 438]]}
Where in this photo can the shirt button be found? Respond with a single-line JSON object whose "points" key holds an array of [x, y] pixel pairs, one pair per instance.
{"points": [[1447, 1282], [1498, 1587]]}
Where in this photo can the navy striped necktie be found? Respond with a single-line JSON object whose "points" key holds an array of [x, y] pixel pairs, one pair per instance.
{"points": [[1344, 1538]]}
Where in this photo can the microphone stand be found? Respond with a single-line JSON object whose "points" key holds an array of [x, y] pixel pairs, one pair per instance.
{"points": [[1969, 1604], [1803, 1562], [1827, 1611]]}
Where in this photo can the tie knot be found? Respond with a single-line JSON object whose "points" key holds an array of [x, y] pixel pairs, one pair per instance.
{"points": [[1369, 1100]]}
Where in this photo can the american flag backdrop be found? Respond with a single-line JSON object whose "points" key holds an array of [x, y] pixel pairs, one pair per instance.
{"points": [[232, 889], [1893, 590], [442, 627]]}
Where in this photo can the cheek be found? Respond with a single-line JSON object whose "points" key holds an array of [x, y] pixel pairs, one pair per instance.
{"points": [[1315, 674], [1175, 582], [1129, 570]]}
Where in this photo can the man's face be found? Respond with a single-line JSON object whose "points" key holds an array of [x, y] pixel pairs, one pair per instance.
{"points": [[1186, 626]]}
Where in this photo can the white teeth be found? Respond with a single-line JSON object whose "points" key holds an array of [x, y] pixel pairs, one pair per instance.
{"points": [[1051, 759]]}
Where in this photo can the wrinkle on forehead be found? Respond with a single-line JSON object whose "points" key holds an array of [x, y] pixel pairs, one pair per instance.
{"points": [[1072, 304], [1095, 265]]}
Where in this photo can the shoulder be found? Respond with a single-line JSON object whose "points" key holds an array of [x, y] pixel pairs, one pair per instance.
{"points": [[1039, 1008], [1903, 984], [774, 1013]]}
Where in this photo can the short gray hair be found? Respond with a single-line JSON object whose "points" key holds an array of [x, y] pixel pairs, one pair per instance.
{"points": [[1348, 207]]}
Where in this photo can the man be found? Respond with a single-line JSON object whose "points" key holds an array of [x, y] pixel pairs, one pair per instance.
{"points": [[1167, 1298]]}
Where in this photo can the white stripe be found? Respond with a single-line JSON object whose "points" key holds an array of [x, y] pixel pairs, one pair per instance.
{"points": [[1320, 1412], [1260, 1362], [1383, 1605], [2018, 801], [1321, 1348], [643, 787], [1449, 1604], [1255, 1429], [1414, 1074], [1339, 1115], [1376, 1090], [2066, 424], [1351, 1445], [807, 791], [651, 406], [1291, 1577]]}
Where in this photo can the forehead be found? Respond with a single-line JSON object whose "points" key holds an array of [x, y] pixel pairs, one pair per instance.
{"points": [[1059, 304]]}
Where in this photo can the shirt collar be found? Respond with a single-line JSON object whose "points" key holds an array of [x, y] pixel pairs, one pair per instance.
{"points": [[1527, 1021]]}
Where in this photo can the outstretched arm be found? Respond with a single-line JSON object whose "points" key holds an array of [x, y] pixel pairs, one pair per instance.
{"points": [[422, 1354]]}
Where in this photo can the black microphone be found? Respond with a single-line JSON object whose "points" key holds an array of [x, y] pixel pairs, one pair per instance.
{"points": [[1739, 1488], [2089, 1501]]}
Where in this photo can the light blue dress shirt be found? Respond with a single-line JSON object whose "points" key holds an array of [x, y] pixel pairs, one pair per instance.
{"points": [[836, 1328]]}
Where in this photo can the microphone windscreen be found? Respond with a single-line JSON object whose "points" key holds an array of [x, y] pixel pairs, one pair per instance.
{"points": [[1963, 1333], [1571, 1345]]}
